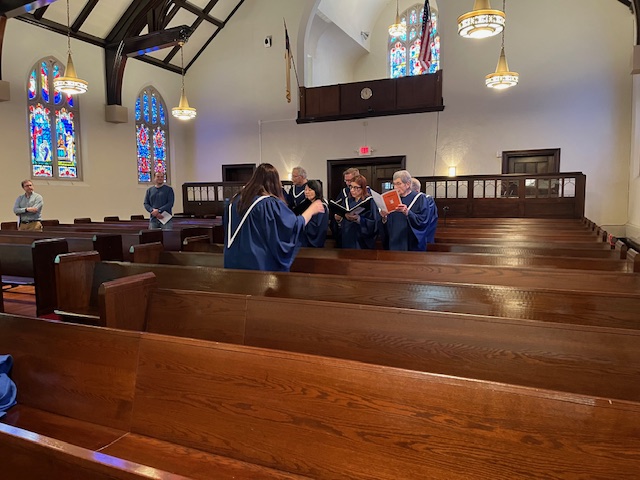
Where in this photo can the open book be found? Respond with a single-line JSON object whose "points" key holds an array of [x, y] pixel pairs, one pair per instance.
{"points": [[164, 217], [387, 201], [339, 209], [300, 208]]}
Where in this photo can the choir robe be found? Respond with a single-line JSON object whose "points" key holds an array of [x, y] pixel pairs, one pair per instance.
{"points": [[315, 233], [360, 235], [295, 196], [267, 240], [433, 219], [409, 232]]}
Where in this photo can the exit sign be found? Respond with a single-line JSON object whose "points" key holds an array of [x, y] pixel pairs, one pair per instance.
{"points": [[365, 150]]}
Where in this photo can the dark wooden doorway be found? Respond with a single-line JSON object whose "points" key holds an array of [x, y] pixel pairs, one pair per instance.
{"points": [[377, 170], [531, 161], [241, 172]]}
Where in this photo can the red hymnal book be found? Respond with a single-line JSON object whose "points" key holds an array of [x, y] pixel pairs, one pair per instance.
{"points": [[391, 200]]}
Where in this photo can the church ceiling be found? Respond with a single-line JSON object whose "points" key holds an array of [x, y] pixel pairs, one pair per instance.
{"points": [[148, 30]]}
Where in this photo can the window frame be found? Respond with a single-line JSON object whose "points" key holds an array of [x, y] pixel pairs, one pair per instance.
{"points": [[52, 106], [152, 92]]}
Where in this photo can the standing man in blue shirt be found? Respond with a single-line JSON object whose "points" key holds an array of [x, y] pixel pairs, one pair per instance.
{"points": [[158, 201], [28, 208]]}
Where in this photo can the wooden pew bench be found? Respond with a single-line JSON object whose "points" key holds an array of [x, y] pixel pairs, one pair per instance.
{"points": [[34, 264], [76, 390], [79, 275], [553, 278], [568, 358], [207, 410]]}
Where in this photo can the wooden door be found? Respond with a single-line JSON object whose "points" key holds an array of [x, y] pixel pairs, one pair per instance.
{"points": [[531, 161], [377, 171]]}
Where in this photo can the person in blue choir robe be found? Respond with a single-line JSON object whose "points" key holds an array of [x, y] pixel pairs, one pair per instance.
{"points": [[359, 230], [433, 211], [295, 196], [348, 175], [261, 232], [315, 233], [407, 227]]}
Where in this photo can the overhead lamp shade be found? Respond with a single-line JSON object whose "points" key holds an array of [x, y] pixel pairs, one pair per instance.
{"points": [[183, 111], [482, 22], [398, 28], [502, 78], [70, 83]]}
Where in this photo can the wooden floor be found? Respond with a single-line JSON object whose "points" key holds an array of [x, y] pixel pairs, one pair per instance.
{"points": [[20, 301]]}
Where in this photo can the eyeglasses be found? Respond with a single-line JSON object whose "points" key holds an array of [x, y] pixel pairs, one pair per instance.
{"points": [[354, 187]]}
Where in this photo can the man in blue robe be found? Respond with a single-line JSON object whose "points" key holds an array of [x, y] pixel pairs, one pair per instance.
{"points": [[348, 175], [295, 196], [408, 226]]}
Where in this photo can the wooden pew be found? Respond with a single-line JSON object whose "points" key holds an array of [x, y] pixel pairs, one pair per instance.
{"points": [[109, 246], [78, 276], [569, 358], [607, 260], [136, 232], [76, 391], [34, 263], [557, 278], [208, 410]]}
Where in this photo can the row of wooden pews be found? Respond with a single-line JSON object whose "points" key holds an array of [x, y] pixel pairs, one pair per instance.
{"points": [[379, 367], [103, 403]]}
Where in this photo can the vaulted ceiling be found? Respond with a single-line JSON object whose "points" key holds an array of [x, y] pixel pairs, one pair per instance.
{"points": [[150, 30]]}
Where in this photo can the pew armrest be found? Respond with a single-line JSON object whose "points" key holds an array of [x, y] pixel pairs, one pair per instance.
{"points": [[74, 278], [123, 302], [146, 252]]}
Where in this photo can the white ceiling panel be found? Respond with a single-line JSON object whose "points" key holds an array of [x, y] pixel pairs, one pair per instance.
{"points": [[104, 16], [223, 9], [183, 17], [196, 41]]}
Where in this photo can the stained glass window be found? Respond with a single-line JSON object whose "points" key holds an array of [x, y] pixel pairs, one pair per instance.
{"points": [[152, 135], [54, 136], [403, 51]]}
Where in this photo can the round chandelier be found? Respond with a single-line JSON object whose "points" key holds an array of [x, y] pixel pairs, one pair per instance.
{"points": [[482, 22]]}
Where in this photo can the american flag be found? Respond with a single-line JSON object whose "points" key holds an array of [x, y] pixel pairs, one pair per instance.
{"points": [[424, 57]]}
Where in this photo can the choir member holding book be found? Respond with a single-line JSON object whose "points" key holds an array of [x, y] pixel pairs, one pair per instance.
{"points": [[357, 216], [261, 232], [315, 233], [409, 226]]}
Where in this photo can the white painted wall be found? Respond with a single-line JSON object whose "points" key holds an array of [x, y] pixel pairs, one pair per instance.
{"points": [[109, 185], [575, 94]]}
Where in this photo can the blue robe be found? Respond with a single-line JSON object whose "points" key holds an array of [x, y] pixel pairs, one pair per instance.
{"points": [[315, 233], [7, 387], [360, 235], [267, 240], [295, 196], [433, 219], [410, 232]]}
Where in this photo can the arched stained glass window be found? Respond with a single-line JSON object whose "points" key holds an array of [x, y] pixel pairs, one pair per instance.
{"points": [[54, 135], [152, 135], [403, 51]]}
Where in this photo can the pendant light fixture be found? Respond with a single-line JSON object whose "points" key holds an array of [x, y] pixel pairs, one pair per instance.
{"points": [[183, 111], [502, 78], [70, 83], [398, 29], [482, 22]]}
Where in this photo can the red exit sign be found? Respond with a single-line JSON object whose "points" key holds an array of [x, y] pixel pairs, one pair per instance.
{"points": [[365, 150]]}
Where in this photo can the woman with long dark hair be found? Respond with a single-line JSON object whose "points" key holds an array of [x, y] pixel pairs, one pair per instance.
{"points": [[261, 232], [315, 233]]}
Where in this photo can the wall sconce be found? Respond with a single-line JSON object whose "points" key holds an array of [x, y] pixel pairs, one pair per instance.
{"points": [[452, 171]]}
